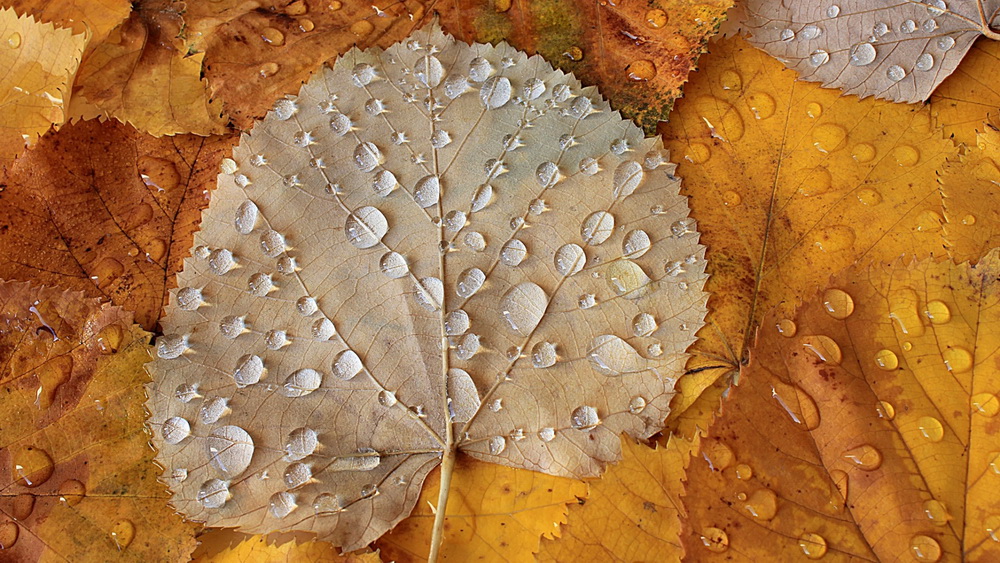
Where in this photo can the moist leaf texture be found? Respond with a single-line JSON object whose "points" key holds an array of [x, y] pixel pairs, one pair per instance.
{"points": [[876, 398], [898, 51], [434, 234]]}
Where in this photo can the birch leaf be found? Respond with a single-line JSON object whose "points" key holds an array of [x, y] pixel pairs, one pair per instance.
{"points": [[898, 51], [432, 249]]}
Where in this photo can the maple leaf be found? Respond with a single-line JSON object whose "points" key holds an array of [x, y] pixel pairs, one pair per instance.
{"points": [[898, 51], [39, 61], [73, 443], [431, 249], [791, 182], [864, 426], [100, 208]]}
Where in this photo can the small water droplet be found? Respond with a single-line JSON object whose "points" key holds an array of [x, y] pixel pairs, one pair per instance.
{"points": [[175, 430], [885, 410], [301, 383], [122, 533], [543, 355], [469, 282], [886, 359], [812, 545], [715, 539], [584, 418], [925, 548], [717, 454], [895, 73], [170, 346], [823, 348], [985, 404], [513, 252], [863, 54], [786, 328], [814, 110], [362, 28], [869, 197], [819, 57], [829, 137], [272, 36], [612, 356], [957, 360], [497, 445], [642, 70], [865, 457], [213, 493], [9, 532], [838, 303], [523, 307], [945, 43], [365, 227], [937, 312], [70, 492]]}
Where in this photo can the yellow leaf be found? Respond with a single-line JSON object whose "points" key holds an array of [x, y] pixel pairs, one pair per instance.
{"points": [[970, 96], [75, 465], [38, 62], [222, 545], [95, 18], [633, 512], [142, 74], [790, 182], [869, 431], [970, 186], [495, 513]]}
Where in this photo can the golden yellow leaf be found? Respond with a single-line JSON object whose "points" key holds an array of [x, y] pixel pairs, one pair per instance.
{"points": [[75, 463], [101, 208], [495, 513], [38, 62], [790, 182], [970, 96], [865, 427], [970, 185], [142, 74], [221, 545], [633, 512], [95, 18]]}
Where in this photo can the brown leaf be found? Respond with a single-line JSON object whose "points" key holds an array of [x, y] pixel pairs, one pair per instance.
{"points": [[639, 53], [105, 210], [38, 62], [899, 51], [142, 74], [406, 246], [75, 465]]}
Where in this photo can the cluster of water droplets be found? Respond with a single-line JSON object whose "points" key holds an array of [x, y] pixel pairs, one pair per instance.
{"points": [[381, 259]]}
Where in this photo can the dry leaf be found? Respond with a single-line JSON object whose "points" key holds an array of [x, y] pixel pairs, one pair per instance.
{"points": [[899, 51], [255, 54], [495, 513], [95, 18], [970, 95], [74, 453], [143, 75], [790, 182], [633, 512], [639, 53], [38, 62], [864, 428], [407, 244], [102, 209]]}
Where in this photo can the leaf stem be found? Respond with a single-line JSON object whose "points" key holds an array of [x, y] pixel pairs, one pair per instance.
{"points": [[447, 469]]}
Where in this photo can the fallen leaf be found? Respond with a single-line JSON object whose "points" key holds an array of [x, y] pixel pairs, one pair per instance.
{"points": [[74, 452], [791, 182], [369, 273], [639, 53], [226, 546], [143, 75], [495, 513], [632, 513], [95, 18], [865, 427], [969, 185], [100, 208], [39, 61], [254, 55], [899, 51], [970, 96]]}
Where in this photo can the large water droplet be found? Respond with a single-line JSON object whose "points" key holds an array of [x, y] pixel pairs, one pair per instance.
{"points": [[513, 252], [427, 191], [213, 493], [367, 156], [301, 382], [865, 456], [523, 307], [627, 178], [429, 71], [301, 442], [584, 418], [863, 54], [230, 450], [543, 355], [635, 244], [365, 227], [429, 293], [246, 217], [597, 227], [495, 92], [175, 430], [613, 356], [469, 282], [812, 545], [347, 365]]}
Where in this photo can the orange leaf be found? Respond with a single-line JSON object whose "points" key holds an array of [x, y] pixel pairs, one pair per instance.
{"points": [[38, 62], [103, 209], [74, 453], [865, 428], [639, 53], [494, 513], [142, 74], [633, 512], [96, 18], [221, 545], [969, 185], [971, 95]]}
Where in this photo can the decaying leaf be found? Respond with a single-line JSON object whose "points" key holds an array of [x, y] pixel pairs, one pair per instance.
{"points": [[970, 96], [225, 546], [100, 208], [899, 51], [74, 453], [495, 513], [865, 427], [791, 182], [38, 62], [432, 249], [640, 53], [633, 513], [142, 74]]}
